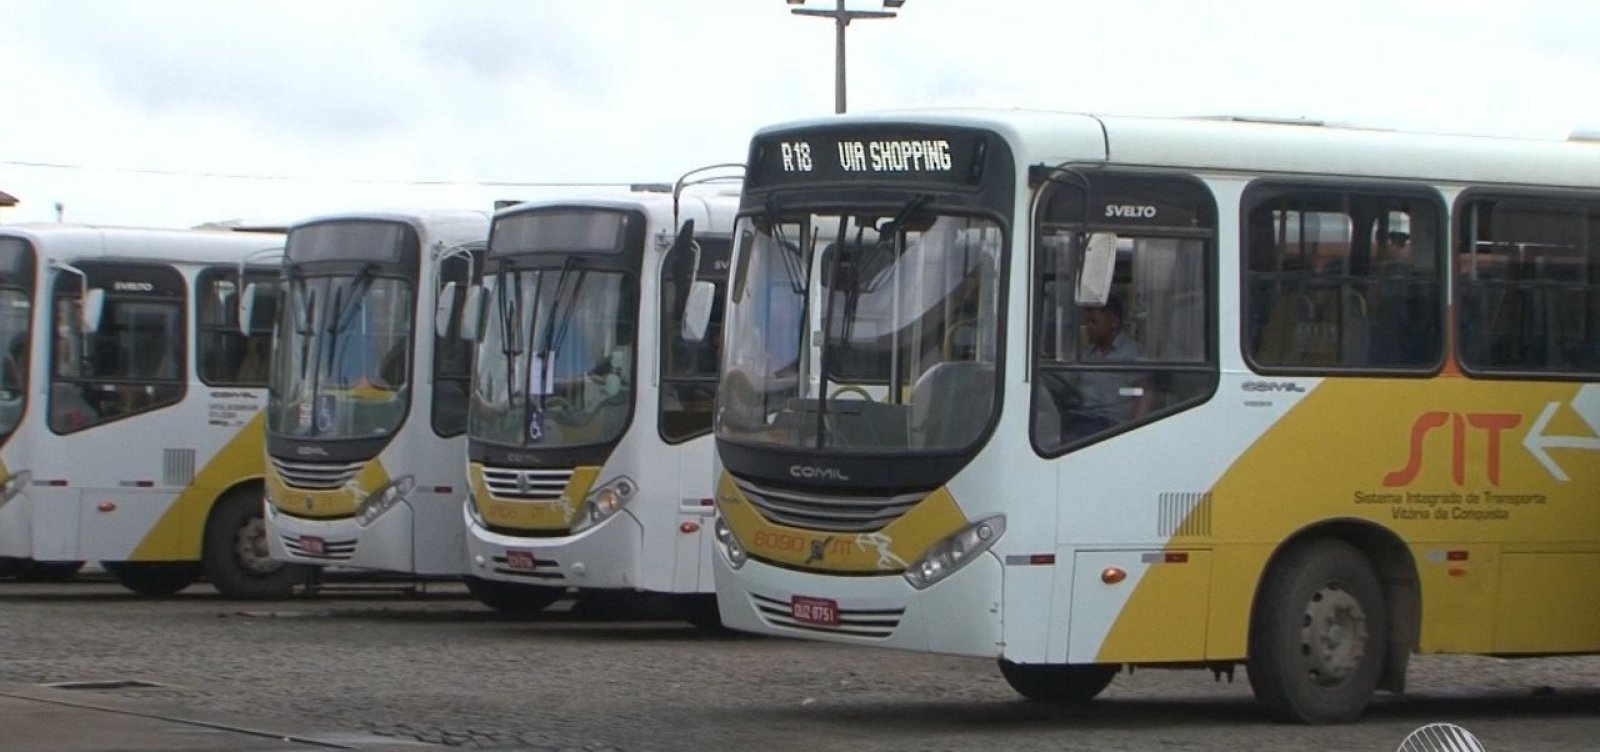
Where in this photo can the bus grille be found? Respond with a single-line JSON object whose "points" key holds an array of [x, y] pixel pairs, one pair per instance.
{"points": [[332, 550], [847, 514], [534, 485], [315, 475], [877, 623]]}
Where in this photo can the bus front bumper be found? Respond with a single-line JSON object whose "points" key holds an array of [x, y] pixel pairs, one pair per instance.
{"points": [[959, 615], [605, 556], [386, 544]]}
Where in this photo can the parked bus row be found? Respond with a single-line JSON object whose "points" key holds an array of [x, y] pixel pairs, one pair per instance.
{"points": [[1069, 392]]}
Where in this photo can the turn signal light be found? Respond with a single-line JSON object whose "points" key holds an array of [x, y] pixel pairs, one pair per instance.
{"points": [[1113, 575]]}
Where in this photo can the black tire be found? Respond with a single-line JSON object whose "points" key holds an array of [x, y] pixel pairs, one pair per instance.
{"points": [[513, 599], [1058, 684], [235, 557], [153, 578], [29, 570], [1318, 634], [702, 612]]}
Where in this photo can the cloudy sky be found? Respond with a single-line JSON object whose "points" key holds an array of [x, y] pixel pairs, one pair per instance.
{"points": [[175, 113]]}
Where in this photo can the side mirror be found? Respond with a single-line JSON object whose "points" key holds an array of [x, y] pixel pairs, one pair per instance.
{"points": [[445, 306], [1099, 265], [247, 308], [472, 313], [697, 310], [302, 311], [94, 306]]}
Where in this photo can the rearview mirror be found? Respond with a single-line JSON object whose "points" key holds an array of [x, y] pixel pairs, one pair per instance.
{"points": [[697, 310], [1099, 265], [441, 312], [94, 305], [472, 313], [247, 308]]}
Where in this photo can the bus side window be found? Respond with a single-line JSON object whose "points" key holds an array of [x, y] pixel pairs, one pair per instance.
{"points": [[1528, 269], [131, 364], [1342, 280]]}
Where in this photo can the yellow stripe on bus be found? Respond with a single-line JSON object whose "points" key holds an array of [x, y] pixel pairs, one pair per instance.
{"points": [[177, 536]]}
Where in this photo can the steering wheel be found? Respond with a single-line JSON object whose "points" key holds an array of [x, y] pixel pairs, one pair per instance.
{"points": [[850, 389]]}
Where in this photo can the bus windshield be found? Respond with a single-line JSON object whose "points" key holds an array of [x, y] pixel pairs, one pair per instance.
{"points": [[342, 362], [554, 365], [15, 313], [864, 332]]}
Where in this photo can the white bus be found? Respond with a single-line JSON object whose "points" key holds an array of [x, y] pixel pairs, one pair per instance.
{"points": [[130, 408], [589, 431], [368, 402], [1078, 393]]}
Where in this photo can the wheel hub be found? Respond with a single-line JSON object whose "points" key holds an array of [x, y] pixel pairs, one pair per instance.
{"points": [[1333, 636], [251, 548]]}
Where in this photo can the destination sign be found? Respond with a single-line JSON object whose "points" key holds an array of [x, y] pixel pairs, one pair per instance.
{"points": [[952, 156], [573, 230], [13, 257], [363, 240]]}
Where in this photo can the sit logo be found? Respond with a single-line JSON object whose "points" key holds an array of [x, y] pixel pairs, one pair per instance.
{"points": [[1441, 737]]}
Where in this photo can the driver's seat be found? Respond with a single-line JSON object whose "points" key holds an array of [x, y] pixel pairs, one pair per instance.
{"points": [[951, 403]]}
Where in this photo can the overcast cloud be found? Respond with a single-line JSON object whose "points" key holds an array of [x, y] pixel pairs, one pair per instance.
{"points": [[332, 106]]}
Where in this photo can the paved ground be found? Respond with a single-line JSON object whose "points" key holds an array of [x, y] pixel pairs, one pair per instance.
{"points": [[383, 670]]}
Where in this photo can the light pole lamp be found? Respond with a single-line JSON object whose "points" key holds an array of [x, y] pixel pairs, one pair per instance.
{"points": [[841, 19]]}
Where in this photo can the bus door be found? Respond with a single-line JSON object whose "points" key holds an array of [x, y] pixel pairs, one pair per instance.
{"points": [[123, 449]]}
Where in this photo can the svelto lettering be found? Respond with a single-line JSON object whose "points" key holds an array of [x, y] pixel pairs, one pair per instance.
{"points": [[1130, 211]]}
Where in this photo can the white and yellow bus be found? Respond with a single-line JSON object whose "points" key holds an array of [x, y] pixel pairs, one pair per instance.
{"points": [[130, 408], [1078, 393], [366, 421], [589, 439]]}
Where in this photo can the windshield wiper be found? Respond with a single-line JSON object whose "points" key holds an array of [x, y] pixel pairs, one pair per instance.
{"points": [[341, 312], [555, 327]]}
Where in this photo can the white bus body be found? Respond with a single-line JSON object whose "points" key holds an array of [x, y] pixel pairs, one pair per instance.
{"points": [[132, 405], [595, 471], [1325, 377], [368, 405]]}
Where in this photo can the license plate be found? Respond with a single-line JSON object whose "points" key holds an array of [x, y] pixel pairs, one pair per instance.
{"points": [[520, 560], [311, 544], [819, 611]]}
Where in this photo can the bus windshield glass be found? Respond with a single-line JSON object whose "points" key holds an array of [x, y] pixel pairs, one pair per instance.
{"points": [[554, 365], [342, 363], [866, 332], [15, 313]]}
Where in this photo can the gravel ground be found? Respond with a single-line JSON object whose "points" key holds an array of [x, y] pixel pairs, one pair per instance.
{"points": [[440, 669]]}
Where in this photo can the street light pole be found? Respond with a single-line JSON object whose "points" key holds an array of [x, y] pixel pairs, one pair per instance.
{"points": [[841, 19]]}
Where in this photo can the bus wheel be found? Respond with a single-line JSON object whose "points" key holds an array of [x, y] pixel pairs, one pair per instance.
{"points": [[1058, 684], [702, 612], [48, 571], [153, 578], [236, 558], [513, 599], [1318, 634]]}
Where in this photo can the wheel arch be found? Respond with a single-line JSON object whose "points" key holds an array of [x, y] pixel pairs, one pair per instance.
{"points": [[1397, 571]]}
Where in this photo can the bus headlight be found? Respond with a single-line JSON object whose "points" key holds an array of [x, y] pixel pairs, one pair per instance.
{"points": [[730, 544], [384, 499], [474, 514], [604, 502], [943, 558]]}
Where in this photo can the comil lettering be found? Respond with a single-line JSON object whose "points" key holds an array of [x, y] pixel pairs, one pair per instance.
{"points": [[133, 287], [930, 155], [1131, 211]]}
